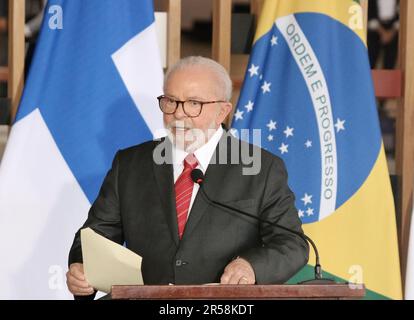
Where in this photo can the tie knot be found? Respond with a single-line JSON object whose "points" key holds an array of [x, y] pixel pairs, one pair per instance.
{"points": [[190, 162]]}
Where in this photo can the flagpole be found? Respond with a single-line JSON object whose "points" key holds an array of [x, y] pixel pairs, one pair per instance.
{"points": [[16, 53], [405, 129], [364, 5], [222, 32]]}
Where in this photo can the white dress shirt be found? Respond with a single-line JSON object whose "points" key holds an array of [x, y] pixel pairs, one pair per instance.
{"points": [[387, 9], [203, 155]]}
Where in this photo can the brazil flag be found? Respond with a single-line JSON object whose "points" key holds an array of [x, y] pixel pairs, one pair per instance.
{"points": [[308, 87]]}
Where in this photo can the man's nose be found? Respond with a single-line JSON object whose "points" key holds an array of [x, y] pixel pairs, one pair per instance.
{"points": [[179, 113]]}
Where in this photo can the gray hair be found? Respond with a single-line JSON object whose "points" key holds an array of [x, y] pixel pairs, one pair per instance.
{"points": [[222, 74]]}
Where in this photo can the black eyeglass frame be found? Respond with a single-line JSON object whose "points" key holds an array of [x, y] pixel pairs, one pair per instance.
{"points": [[177, 102]]}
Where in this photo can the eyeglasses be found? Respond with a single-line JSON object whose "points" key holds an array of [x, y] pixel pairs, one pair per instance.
{"points": [[192, 108]]}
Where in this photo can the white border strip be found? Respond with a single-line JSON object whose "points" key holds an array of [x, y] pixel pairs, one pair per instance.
{"points": [[318, 89]]}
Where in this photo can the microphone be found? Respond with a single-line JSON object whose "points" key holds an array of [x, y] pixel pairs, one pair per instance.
{"points": [[198, 177]]}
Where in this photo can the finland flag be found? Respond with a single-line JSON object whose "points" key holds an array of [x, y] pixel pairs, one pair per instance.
{"points": [[91, 90]]}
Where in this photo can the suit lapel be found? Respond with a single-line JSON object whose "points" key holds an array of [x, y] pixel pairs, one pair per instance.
{"points": [[164, 177], [200, 204]]}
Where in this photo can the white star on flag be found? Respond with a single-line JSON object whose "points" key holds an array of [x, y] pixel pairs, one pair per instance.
{"points": [[273, 41], [309, 212], [284, 148], [288, 132], [271, 125], [339, 125], [266, 87], [308, 144], [253, 70], [238, 115], [301, 213], [270, 137], [307, 199], [249, 106]]}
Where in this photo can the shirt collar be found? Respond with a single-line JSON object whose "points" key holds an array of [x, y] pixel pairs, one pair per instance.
{"points": [[203, 154]]}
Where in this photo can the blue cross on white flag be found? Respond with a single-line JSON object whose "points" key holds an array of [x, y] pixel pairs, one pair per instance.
{"points": [[91, 90]]}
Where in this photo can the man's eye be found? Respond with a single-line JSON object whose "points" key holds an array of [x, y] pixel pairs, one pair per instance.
{"points": [[194, 103]]}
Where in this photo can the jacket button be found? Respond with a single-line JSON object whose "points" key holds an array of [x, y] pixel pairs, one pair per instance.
{"points": [[178, 263]]}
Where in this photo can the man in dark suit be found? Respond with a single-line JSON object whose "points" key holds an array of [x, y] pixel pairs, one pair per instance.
{"points": [[149, 201], [383, 28]]}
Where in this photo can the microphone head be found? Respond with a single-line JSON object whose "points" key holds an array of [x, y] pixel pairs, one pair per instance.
{"points": [[197, 176]]}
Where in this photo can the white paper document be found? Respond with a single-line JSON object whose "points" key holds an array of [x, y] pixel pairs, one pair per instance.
{"points": [[107, 263]]}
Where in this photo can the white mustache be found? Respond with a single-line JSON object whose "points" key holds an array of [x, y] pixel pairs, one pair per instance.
{"points": [[178, 125]]}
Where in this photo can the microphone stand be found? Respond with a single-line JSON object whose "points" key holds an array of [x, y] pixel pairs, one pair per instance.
{"points": [[198, 178]]}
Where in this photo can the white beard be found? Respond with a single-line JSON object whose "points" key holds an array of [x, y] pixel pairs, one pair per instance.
{"points": [[187, 138]]}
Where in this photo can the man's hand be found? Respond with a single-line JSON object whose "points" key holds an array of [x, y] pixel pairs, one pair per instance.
{"points": [[387, 36], [76, 281], [239, 271]]}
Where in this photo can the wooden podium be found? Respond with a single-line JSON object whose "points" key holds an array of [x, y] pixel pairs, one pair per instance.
{"points": [[239, 292]]}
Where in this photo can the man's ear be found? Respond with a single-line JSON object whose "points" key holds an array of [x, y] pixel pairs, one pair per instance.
{"points": [[225, 110]]}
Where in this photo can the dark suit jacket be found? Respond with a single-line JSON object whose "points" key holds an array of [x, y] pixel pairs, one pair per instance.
{"points": [[136, 205]]}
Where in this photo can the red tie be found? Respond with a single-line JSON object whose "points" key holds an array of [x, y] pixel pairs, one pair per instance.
{"points": [[183, 191]]}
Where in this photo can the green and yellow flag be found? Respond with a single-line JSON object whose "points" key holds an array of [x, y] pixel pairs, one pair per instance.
{"points": [[308, 87]]}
